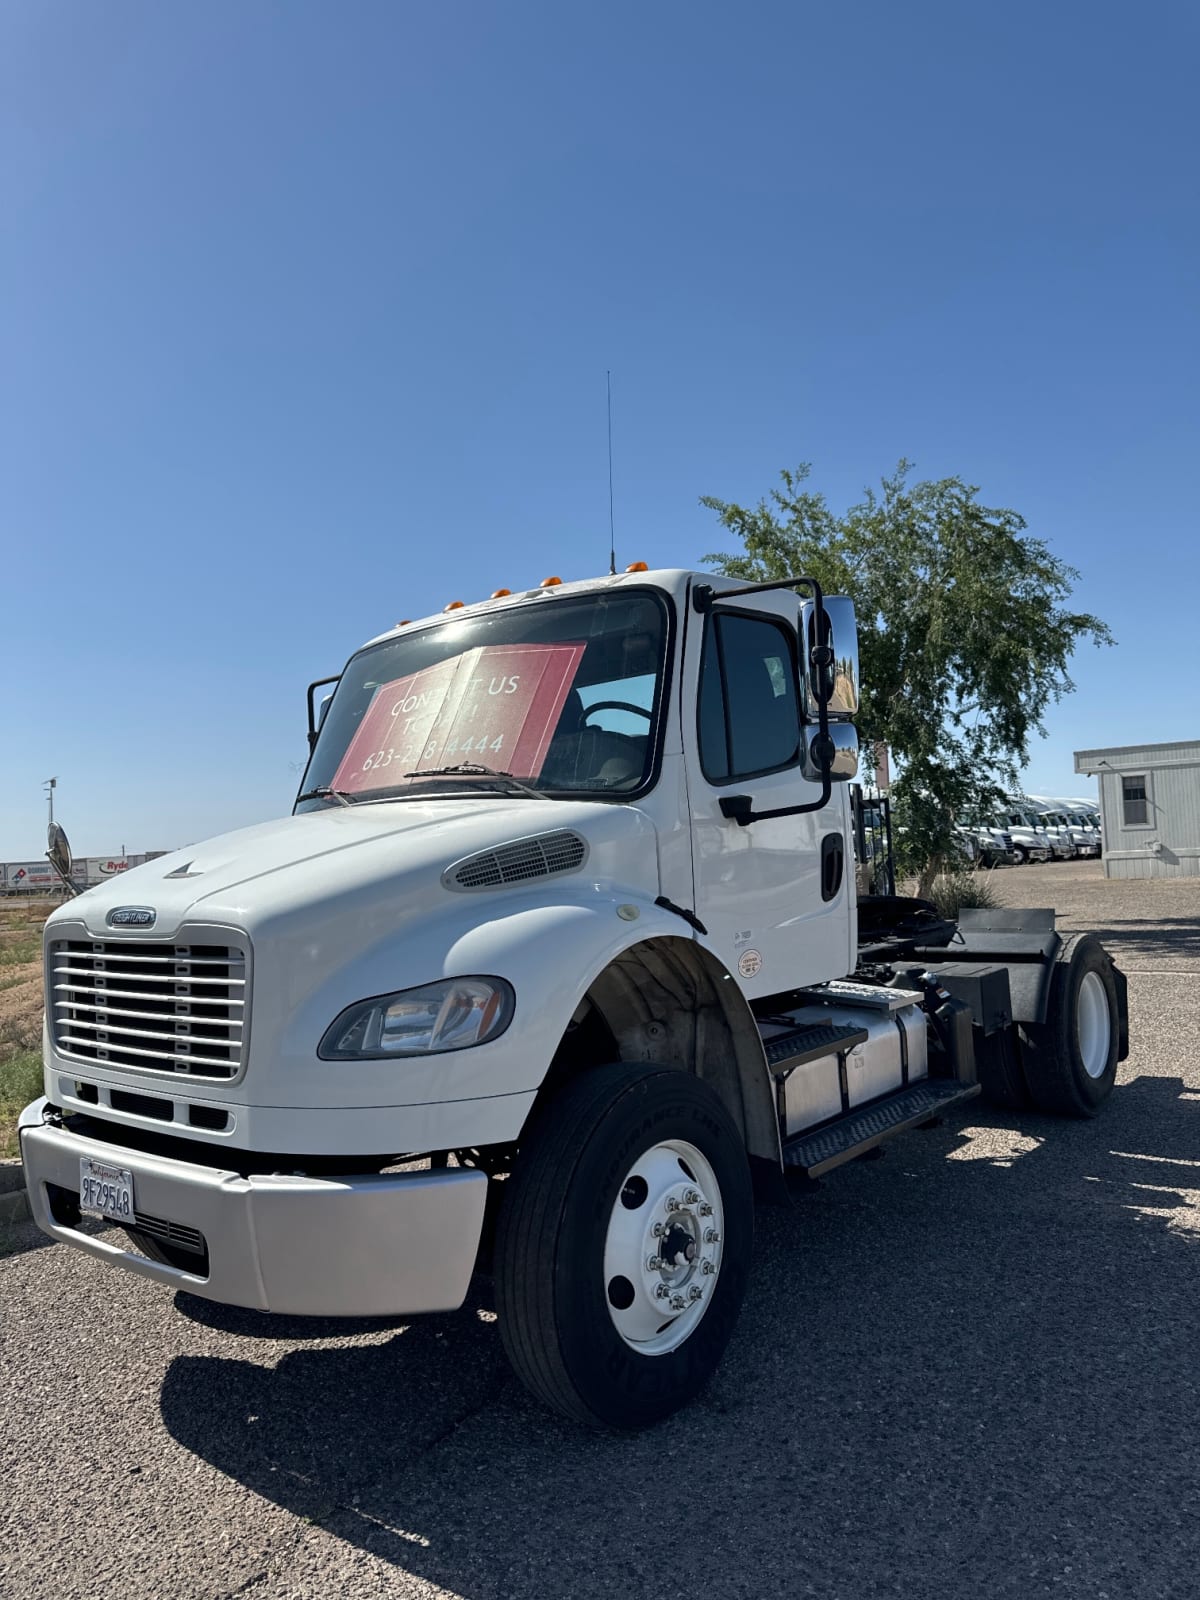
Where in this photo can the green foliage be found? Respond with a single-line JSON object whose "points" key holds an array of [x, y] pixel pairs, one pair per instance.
{"points": [[23, 949], [965, 634], [953, 890], [20, 1082]]}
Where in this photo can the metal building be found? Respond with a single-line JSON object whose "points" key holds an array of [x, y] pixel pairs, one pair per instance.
{"points": [[1149, 808]]}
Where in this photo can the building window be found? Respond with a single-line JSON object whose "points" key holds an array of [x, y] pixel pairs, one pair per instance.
{"points": [[1133, 797]]}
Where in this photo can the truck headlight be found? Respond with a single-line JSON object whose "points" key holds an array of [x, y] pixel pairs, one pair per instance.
{"points": [[450, 1015]]}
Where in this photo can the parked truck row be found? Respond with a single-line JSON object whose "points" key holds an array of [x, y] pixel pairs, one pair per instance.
{"points": [[1025, 830], [556, 968]]}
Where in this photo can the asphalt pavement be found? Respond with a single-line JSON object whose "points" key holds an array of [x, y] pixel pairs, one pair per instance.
{"points": [[968, 1369]]}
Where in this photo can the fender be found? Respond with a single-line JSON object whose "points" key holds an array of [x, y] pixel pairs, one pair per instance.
{"points": [[550, 951]]}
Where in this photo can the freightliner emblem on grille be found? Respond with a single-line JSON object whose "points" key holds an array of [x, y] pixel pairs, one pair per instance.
{"points": [[131, 917]]}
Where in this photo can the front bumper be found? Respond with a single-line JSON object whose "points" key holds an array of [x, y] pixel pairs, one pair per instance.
{"points": [[360, 1246]]}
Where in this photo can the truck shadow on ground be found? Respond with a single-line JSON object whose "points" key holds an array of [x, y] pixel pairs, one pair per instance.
{"points": [[966, 1369], [1146, 936]]}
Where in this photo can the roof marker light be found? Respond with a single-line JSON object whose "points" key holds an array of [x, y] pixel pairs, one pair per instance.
{"points": [[637, 566], [499, 594], [550, 583], [405, 623], [455, 605]]}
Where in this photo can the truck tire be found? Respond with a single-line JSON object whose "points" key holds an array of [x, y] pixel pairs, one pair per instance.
{"points": [[1070, 1060], [1019, 855], [623, 1245]]}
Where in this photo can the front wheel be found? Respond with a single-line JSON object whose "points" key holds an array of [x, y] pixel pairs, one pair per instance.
{"points": [[623, 1245]]}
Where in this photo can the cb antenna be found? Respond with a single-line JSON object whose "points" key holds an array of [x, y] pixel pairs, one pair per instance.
{"points": [[612, 538]]}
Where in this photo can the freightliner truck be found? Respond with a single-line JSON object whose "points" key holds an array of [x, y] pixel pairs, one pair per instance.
{"points": [[556, 968]]}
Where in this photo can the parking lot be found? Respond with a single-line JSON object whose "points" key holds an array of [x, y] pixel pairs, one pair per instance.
{"points": [[966, 1370]]}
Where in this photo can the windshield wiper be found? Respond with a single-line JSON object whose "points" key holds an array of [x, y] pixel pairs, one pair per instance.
{"points": [[476, 769], [338, 796]]}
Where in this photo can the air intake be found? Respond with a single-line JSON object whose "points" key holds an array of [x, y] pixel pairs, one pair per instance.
{"points": [[544, 856]]}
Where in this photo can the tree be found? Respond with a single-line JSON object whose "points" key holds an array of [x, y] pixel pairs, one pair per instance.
{"points": [[964, 633]]}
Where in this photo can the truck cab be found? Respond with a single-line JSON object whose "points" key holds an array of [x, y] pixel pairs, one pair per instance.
{"points": [[556, 963], [1030, 841]]}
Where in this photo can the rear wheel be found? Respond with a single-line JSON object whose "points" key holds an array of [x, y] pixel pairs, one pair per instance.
{"points": [[624, 1244], [1070, 1060]]}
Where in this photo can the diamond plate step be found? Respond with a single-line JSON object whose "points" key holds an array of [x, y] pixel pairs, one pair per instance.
{"points": [[827, 1147], [810, 1043]]}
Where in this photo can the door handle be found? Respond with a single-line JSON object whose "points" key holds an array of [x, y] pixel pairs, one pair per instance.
{"points": [[833, 854]]}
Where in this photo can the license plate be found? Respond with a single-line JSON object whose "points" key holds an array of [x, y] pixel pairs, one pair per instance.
{"points": [[105, 1191]]}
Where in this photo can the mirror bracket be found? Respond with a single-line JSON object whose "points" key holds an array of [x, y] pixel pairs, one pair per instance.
{"points": [[312, 710]]}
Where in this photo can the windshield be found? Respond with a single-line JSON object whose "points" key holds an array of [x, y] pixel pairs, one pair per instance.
{"points": [[562, 694]]}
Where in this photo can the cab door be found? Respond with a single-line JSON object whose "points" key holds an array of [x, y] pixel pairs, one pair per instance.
{"points": [[774, 895]]}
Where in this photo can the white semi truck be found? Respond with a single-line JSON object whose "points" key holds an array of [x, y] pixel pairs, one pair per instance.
{"points": [[555, 966]]}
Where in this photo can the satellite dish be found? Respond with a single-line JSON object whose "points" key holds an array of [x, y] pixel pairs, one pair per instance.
{"points": [[58, 850]]}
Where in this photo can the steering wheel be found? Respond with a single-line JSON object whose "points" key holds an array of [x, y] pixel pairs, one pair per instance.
{"points": [[615, 705]]}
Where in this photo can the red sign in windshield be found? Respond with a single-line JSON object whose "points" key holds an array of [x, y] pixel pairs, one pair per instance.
{"points": [[497, 705]]}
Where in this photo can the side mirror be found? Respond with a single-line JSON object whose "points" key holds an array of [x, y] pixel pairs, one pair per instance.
{"points": [[841, 752], [58, 853], [837, 683]]}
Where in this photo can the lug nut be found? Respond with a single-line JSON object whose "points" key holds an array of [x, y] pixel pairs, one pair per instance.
{"points": [[707, 1268], [673, 1203], [661, 1292], [658, 1230], [691, 1197], [705, 1209], [678, 1303], [711, 1236], [653, 1263], [695, 1293]]}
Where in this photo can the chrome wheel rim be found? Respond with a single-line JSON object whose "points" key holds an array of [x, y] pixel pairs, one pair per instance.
{"points": [[1094, 1025], [663, 1247]]}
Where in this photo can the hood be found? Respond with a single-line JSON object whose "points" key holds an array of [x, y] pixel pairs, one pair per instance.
{"points": [[253, 873]]}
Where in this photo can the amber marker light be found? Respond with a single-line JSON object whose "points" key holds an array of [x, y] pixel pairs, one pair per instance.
{"points": [[455, 605], [499, 594], [551, 583], [637, 566]]}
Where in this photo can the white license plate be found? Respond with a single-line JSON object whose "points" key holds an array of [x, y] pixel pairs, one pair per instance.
{"points": [[105, 1191]]}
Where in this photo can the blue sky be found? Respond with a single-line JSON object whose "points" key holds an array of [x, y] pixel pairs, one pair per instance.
{"points": [[306, 311]]}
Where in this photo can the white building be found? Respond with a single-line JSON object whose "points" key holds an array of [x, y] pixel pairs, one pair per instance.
{"points": [[1149, 808]]}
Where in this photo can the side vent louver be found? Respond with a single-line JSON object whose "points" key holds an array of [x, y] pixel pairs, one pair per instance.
{"points": [[543, 856]]}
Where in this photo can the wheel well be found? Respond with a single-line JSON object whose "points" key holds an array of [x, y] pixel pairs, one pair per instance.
{"points": [[670, 1002]]}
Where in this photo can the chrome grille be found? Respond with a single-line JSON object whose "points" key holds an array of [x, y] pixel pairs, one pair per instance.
{"points": [[151, 1005], [539, 857]]}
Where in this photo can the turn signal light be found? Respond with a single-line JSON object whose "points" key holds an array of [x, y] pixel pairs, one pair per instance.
{"points": [[498, 594], [550, 583], [455, 605], [637, 566]]}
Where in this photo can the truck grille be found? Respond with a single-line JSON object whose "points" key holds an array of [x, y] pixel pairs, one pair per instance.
{"points": [[153, 1006], [1008, 840]]}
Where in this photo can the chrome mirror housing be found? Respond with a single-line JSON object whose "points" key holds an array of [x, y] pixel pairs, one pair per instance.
{"points": [[843, 754], [58, 851], [841, 679]]}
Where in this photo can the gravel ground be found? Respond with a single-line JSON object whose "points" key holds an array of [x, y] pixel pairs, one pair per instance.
{"points": [[965, 1370]]}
